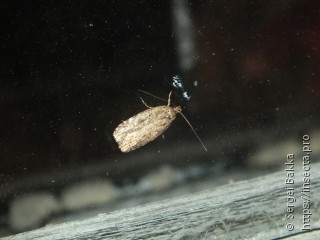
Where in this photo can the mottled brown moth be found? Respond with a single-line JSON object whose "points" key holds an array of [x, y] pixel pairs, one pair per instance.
{"points": [[144, 127]]}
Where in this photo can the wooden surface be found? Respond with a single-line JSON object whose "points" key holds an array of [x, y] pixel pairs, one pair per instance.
{"points": [[248, 209]]}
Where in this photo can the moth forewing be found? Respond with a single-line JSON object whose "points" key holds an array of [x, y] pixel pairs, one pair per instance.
{"points": [[144, 127]]}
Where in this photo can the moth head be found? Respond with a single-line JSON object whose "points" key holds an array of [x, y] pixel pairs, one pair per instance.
{"points": [[178, 109]]}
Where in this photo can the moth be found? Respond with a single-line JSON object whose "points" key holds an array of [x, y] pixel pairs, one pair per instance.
{"points": [[146, 126]]}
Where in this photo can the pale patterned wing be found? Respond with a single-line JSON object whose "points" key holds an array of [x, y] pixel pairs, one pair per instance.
{"points": [[143, 127]]}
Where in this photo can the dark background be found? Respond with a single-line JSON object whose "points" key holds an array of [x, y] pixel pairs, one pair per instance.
{"points": [[70, 72]]}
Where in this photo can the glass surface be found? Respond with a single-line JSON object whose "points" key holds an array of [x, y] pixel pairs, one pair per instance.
{"points": [[245, 73]]}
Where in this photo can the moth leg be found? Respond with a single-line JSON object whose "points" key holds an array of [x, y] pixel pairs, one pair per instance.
{"points": [[145, 103], [169, 99]]}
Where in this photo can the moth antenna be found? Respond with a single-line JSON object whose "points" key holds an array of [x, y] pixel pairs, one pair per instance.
{"points": [[152, 95], [194, 131]]}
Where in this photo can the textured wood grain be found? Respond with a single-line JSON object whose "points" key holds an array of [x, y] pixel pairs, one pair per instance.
{"points": [[144, 127], [252, 209]]}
